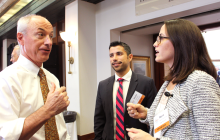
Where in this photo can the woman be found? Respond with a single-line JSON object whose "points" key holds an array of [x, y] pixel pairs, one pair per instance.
{"points": [[188, 105]]}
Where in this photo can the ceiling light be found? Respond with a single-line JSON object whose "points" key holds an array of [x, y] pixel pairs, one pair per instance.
{"points": [[13, 9]]}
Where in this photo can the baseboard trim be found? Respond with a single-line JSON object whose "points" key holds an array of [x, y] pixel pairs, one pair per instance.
{"points": [[90, 136]]}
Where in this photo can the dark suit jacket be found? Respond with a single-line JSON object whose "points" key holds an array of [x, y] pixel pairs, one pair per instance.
{"points": [[103, 119]]}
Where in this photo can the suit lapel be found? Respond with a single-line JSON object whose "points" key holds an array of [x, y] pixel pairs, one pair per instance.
{"points": [[176, 107], [109, 92], [131, 89]]}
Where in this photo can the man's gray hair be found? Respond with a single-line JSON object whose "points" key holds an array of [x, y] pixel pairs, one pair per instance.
{"points": [[23, 22]]}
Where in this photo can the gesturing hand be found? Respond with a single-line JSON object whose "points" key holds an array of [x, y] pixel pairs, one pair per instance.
{"points": [[137, 111], [137, 134], [57, 100]]}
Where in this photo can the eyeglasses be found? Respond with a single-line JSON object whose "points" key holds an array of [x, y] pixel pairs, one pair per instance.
{"points": [[159, 38]]}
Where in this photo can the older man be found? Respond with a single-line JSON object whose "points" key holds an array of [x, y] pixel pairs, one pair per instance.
{"points": [[15, 54], [28, 110]]}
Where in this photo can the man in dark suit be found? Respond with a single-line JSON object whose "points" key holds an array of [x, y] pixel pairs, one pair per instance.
{"points": [[107, 120]]}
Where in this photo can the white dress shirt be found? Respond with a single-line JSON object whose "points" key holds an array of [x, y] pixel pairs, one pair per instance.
{"points": [[20, 96], [126, 83]]}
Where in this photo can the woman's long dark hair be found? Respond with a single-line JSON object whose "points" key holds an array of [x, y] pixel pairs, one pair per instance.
{"points": [[190, 52]]}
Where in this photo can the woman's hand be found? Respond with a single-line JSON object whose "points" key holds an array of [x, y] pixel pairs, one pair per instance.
{"points": [[137, 111], [137, 134]]}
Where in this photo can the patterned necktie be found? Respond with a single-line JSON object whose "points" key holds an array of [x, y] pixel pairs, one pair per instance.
{"points": [[120, 112], [51, 132]]}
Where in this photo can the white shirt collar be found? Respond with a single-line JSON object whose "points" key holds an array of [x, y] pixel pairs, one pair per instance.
{"points": [[28, 65], [126, 77]]}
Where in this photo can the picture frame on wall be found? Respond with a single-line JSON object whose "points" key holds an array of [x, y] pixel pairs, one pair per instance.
{"points": [[141, 65]]}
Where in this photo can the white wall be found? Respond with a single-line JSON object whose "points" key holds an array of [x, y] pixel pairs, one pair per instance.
{"points": [[212, 43], [4, 53], [72, 80], [141, 46], [112, 14], [87, 66], [81, 84], [91, 51]]}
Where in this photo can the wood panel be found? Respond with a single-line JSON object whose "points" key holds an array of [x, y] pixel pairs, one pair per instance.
{"points": [[90, 136], [212, 26], [59, 68]]}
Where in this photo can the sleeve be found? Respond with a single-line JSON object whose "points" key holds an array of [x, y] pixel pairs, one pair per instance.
{"points": [[151, 93], [62, 129], [10, 124], [205, 100], [146, 120], [68, 136], [99, 118], [206, 107]]}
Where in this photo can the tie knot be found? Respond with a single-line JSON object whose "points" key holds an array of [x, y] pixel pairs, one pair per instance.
{"points": [[120, 79], [41, 73]]}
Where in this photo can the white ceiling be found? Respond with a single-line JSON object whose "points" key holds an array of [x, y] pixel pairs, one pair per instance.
{"points": [[200, 16]]}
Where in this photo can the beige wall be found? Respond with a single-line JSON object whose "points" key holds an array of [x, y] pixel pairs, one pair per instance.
{"points": [[120, 15], [81, 84]]}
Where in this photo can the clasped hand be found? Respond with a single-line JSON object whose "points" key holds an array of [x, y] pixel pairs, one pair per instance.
{"points": [[137, 111], [57, 100]]}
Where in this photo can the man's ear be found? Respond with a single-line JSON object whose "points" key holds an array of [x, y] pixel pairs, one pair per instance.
{"points": [[20, 38], [130, 56]]}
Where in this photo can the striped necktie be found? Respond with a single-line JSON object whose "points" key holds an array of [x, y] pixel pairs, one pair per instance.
{"points": [[120, 112], [51, 132]]}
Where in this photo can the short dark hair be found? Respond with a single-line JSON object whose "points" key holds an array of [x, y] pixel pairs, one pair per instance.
{"points": [[119, 43], [190, 52]]}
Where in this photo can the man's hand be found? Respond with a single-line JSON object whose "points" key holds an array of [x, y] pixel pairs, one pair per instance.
{"points": [[57, 100], [137, 134], [137, 111]]}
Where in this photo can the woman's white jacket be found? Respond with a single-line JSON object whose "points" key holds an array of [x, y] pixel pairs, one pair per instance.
{"points": [[194, 109]]}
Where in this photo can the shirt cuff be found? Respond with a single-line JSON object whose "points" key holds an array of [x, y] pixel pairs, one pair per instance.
{"points": [[11, 130], [145, 121]]}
